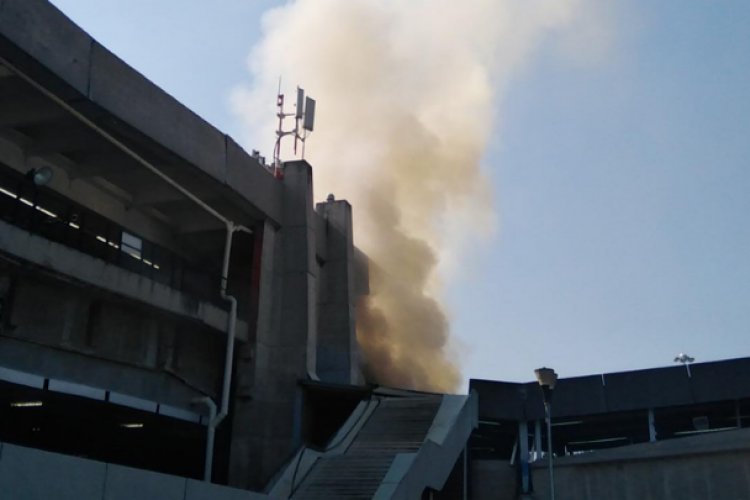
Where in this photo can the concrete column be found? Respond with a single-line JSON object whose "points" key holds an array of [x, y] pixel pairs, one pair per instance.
{"points": [[523, 454], [72, 310], [737, 414], [651, 426], [267, 394], [465, 475], [337, 350], [537, 440], [299, 285]]}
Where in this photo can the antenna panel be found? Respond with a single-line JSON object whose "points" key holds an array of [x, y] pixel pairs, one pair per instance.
{"points": [[309, 121], [300, 103]]}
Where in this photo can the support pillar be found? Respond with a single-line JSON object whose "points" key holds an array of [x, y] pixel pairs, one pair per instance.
{"points": [[337, 350], [523, 454], [651, 426], [267, 406], [537, 440]]}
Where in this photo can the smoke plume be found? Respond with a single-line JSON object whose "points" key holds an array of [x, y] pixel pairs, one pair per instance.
{"points": [[407, 94]]}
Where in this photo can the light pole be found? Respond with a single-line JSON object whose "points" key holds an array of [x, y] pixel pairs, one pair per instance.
{"points": [[547, 379]]}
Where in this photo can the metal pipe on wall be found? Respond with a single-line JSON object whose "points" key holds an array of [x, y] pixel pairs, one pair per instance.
{"points": [[211, 432]]}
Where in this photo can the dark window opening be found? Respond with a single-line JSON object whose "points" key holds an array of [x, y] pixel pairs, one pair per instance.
{"points": [[594, 432], [494, 439], [696, 419], [100, 430], [326, 410]]}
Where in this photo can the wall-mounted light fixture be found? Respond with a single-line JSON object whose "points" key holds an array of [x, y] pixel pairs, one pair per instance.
{"points": [[40, 176]]}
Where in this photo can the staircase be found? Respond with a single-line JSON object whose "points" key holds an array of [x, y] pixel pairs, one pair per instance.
{"points": [[398, 425]]}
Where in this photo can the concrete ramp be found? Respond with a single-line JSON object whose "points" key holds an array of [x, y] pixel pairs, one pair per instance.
{"points": [[392, 447]]}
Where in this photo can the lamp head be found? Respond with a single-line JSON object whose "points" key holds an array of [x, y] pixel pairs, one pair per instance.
{"points": [[546, 377]]}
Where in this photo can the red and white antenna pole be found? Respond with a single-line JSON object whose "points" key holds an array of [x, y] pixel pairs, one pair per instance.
{"points": [[305, 113]]}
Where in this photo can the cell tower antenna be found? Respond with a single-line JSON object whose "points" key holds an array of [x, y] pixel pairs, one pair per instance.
{"points": [[304, 115]]}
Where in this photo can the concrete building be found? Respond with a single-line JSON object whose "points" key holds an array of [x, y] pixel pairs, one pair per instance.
{"points": [[173, 317], [665, 433]]}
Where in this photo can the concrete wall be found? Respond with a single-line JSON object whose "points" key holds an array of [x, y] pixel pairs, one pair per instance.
{"points": [[57, 329], [713, 465], [30, 474], [492, 480]]}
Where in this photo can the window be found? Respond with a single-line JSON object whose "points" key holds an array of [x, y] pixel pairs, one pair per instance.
{"points": [[131, 245]]}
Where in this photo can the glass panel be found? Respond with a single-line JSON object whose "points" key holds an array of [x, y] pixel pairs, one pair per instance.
{"points": [[131, 245]]}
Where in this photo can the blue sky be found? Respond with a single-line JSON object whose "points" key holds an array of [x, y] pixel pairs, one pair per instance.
{"points": [[622, 186]]}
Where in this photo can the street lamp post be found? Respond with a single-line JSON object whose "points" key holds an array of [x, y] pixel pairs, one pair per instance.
{"points": [[547, 379]]}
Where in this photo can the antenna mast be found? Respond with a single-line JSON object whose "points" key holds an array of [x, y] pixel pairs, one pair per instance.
{"points": [[305, 113]]}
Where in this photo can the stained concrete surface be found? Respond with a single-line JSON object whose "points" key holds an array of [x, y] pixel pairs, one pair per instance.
{"points": [[30, 474], [709, 466]]}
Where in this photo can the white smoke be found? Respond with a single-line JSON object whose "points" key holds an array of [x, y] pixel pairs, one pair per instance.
{"points": [[407, 94]]}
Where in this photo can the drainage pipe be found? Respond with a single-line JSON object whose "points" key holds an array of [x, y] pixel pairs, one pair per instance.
{"points": [[214, 417], [209, 462]]}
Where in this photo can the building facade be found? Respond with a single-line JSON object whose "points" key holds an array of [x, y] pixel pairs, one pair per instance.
{"points": [[162, 293]]}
